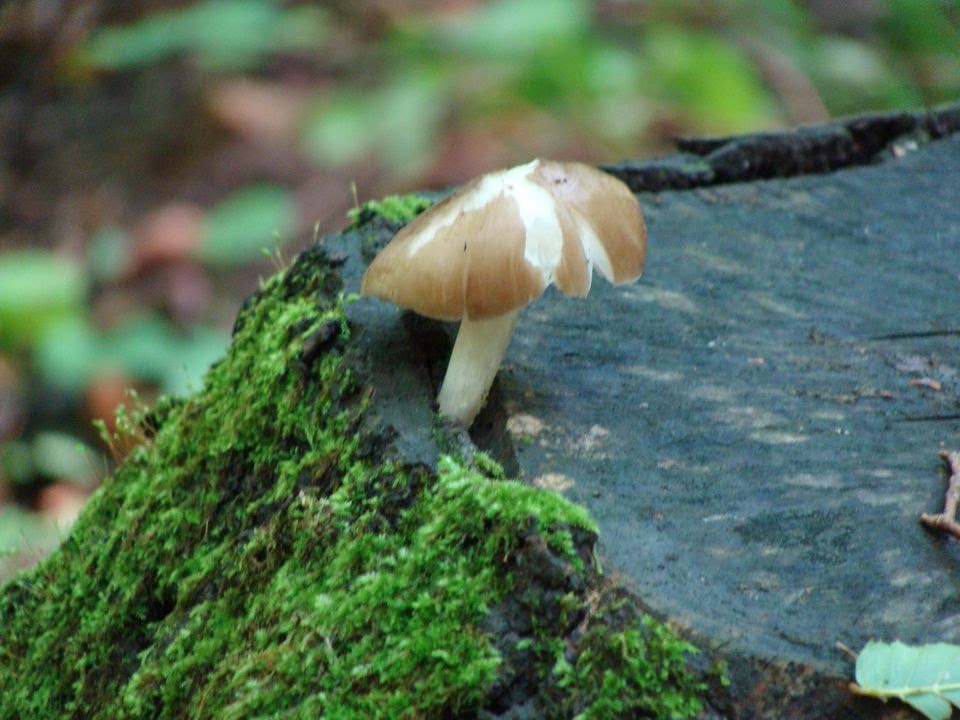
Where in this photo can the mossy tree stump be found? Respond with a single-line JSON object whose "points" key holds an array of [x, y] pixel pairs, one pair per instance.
{"points": [[268, 549]]}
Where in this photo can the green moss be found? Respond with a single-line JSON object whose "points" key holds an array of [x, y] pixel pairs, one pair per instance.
{"points": [[395, 209], [362, 615], [639, 670], [263, 552]]}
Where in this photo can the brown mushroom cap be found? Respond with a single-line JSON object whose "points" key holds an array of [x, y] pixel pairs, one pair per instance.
{"points": [[495, 244]]}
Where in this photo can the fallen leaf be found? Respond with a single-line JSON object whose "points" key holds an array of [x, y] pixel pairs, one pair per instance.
{"points": [[925, 676], [260, 109], [62, 502], [170, 233]]}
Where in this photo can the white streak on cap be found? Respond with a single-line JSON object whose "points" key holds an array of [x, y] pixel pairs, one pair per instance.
{"points": [[496, 243]]}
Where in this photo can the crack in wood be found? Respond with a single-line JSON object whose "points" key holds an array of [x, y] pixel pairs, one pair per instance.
{"points": [[918, 334]]}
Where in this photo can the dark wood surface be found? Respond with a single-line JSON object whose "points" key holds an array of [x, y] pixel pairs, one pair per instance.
{"points": [[755, 425]]}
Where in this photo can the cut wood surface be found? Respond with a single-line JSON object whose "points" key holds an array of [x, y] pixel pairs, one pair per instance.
{"points": [[755, 425]]}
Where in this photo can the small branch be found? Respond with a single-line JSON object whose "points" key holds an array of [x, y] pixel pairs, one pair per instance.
{"points": [[947, 520], [846, 650]]}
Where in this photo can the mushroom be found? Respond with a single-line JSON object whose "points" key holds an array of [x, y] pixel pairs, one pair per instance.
{"points": [[485, 252]]}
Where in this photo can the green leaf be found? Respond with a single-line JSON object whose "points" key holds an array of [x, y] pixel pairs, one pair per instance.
{"points": [[411, 108], [925, 676], [920, 26], [240, 227], [25, 533], [16, 462], [144, 347], [37, 289], [67, 354], [25, 537], [196, 353], [222, 34], [341, 127], [230, 33], [709, 77], [63, 457], [397, 121], [147, 348], [108, 253], [519, 27]]}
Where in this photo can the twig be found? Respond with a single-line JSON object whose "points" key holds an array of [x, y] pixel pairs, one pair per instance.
{"points": [[947, 520], [846, 650]]}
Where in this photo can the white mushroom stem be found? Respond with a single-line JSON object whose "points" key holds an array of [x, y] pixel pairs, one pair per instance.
{"points": [[477, 352]]}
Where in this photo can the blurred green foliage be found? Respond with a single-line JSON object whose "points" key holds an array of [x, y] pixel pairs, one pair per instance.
{"points": [[709, 76], [219, 34], [43, 313], [397, 121], [695, 65], [108, 254], [53, 455], [37, 290], [239, 228], [25, 534], [146, 347]]}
